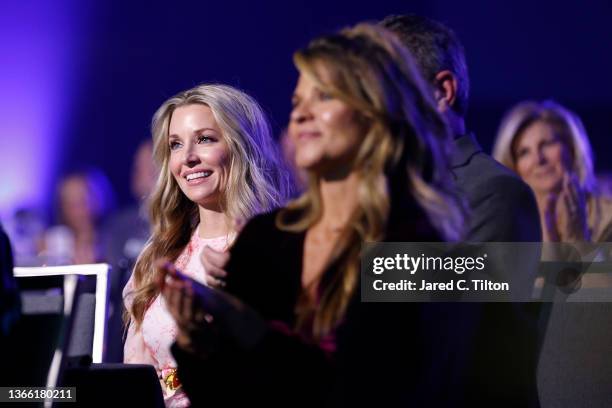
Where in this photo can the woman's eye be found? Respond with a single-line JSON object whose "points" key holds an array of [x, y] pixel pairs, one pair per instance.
{"points": [[521, 153], [325, 96], [550, 142], [174, 145], [206, 139]]}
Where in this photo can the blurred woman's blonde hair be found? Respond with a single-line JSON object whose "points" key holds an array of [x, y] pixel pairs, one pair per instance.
{"points": [[405, 150]]}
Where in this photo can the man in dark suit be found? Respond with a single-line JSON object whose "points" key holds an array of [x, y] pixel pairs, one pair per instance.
{"points": [[503, 207], [501, 353]]}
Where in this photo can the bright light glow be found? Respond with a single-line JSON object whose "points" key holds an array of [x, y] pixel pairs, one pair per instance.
{"points": [[37, 49]]}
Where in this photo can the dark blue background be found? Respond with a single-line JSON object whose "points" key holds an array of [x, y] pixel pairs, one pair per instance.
{"points": [[125, 58]]}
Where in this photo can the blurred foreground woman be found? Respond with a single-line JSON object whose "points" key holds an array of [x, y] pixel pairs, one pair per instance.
{"points": [[368, 134]]}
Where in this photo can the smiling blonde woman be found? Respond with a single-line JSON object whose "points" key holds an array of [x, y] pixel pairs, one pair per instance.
{"points": [[218, 164]]}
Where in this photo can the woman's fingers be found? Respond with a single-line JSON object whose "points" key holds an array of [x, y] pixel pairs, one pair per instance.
{"points": [[214, 261], [194, 330], [551, 232], [214, 282], [182, 304], [572, 190], [215, 271], [569, 204], [570, 196], [572, 212]]}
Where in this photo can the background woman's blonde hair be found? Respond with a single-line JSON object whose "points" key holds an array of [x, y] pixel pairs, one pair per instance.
{"points": [[255, 182], [566, 124], [404, 153]]}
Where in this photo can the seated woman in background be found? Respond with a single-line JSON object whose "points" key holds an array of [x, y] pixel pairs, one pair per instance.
{"points": [[374, 147], [84, 198], [218, 164], [547, 146]]}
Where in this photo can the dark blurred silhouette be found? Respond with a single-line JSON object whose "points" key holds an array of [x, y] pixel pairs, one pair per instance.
{"points": [[9, 293], [26, 229]]}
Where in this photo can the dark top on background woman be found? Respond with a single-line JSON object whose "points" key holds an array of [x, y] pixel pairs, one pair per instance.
{"points": [[382, 354]]}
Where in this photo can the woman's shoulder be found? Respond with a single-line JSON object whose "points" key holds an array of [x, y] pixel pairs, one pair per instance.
{"points": [[265, 220], [262, 236], [264, 224]]}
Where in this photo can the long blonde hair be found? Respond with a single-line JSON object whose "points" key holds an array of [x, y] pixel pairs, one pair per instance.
{"points": [[256, 181], [408, 145], [564, 122]]}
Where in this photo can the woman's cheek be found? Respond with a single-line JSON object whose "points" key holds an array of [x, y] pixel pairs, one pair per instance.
{"points": [[566, 158], [336, 117], [522, 167], [327, 117]]}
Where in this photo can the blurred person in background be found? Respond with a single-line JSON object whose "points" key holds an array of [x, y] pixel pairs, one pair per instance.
{"points": [[504, 357], [502, 206], [126, 234], [10, 311], [26, 230], [84, 198], [547, 146]]}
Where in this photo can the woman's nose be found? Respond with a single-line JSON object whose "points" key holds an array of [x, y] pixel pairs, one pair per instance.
{"points": [[301, 113], [541, 157], [191, 158]]}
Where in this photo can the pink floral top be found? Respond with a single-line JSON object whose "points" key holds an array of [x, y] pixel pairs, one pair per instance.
{"points": [[150, 344]]}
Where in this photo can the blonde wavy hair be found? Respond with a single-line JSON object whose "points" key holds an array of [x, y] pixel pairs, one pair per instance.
{"points": [[565, 123], [407, 145], [256, 181]]}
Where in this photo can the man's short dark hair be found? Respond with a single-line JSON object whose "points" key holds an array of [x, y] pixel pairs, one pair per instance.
{"points": [[436, 48]]}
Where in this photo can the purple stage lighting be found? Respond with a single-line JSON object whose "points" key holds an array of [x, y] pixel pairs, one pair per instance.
{"points": [[38, 44]]}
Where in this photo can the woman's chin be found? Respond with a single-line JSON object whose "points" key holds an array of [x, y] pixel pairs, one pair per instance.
{"points": [[549, 187], [307, 163]]}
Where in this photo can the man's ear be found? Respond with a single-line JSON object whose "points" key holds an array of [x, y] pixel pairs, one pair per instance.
{"points": [[445, 92]]}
